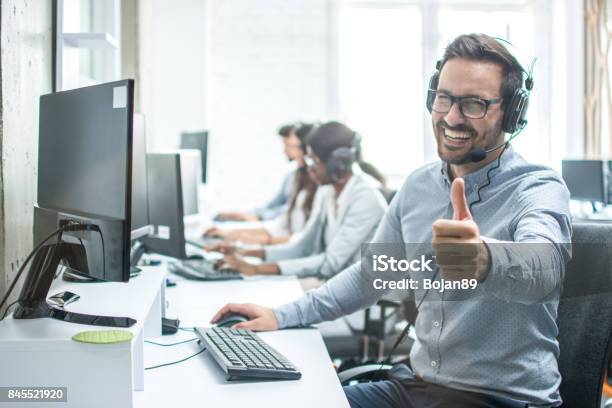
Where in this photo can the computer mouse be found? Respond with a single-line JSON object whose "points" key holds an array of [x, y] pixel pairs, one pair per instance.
{"points": [[231, 319]]}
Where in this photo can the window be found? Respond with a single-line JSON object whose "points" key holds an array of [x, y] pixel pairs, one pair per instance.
{"points": [[87, 42], [381, 87], [384, 48]]}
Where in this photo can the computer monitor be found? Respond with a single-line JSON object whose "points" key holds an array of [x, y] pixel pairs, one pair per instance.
{"points": [[586, 179], [84, 180], [190, 176], [166, 205], [199, 141]]}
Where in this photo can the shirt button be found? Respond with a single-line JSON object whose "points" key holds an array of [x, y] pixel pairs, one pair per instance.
{"points": [[436, 323], [434, 363]]}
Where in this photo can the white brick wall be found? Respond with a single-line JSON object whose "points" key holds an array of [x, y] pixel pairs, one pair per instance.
{"points": [[25, 41], [267, 62]]}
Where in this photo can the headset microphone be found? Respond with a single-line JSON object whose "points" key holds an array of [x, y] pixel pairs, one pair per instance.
{"points": [[478, 155]]}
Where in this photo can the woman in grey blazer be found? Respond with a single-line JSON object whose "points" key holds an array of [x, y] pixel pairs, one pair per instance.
{"points": [[348, 207]]}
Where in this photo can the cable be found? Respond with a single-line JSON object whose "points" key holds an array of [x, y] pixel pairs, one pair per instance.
{"points": [[488, 182], [187, 329], [170, 344], [21, 269], [58, 232], [8, 308], [178, 361]]}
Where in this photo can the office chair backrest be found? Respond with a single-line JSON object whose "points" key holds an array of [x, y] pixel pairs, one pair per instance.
{"points": [[585, 316]]}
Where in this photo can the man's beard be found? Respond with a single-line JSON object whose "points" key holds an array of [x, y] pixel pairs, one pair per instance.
{"points": [[440, 127], [467, 157]]}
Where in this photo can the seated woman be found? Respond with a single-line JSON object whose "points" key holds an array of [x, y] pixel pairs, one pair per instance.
{"points": [[281, 228], [347, 210]]}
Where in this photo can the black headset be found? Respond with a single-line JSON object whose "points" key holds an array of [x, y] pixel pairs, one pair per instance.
{"points": [[341, 159], [515, 110]]}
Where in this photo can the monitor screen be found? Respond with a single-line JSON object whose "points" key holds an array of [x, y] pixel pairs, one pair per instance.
{"points": [[585, 179], [199, 141], [84, 144]]}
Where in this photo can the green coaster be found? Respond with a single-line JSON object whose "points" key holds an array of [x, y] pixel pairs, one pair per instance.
{"points": [[103, 336]]}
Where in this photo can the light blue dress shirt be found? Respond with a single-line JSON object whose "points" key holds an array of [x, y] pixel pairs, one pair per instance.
{"points": [[506, 344]]}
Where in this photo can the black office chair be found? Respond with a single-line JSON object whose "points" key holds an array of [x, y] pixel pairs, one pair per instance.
{"points": [[373, 341], [585, 316], [585, 320]]}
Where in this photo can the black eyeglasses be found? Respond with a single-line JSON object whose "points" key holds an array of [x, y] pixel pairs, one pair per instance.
{"points": [[469, 106]]}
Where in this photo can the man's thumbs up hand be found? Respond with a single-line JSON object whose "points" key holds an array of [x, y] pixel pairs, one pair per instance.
{"points": [[460, 253]]}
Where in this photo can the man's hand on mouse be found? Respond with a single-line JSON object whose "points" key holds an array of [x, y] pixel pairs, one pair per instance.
{"points": [[460, 252], [260, 318]]}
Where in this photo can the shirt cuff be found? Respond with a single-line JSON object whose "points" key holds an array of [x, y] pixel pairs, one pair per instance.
{"points": [[276, 252], [288, 315], [290, 267], [499, 281]]}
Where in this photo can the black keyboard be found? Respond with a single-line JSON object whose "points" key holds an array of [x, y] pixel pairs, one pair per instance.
{"points": [[203, 270], [242, 354]]}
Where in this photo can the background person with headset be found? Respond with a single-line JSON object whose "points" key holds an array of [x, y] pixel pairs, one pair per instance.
{"points": [[347, 211], [281, 228], [498, 349], [279, 203]]}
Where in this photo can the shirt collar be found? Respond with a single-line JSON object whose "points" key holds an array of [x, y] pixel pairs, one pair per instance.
{"points": [[477, 178], [345, 193]]}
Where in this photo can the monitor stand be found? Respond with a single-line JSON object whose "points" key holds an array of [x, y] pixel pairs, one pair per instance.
{"points": [[32, 303], [70, 275]]}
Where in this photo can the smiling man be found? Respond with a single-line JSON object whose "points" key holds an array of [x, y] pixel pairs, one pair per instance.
{"points": [[497, 348]]}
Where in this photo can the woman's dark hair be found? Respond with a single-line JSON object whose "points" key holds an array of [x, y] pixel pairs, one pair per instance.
{"points": [[302, 181], [323, 140], [286, 130], [481, 47]]}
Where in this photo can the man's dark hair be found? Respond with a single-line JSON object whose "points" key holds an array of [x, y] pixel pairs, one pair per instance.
{"points": [[286, 130], [481, 47]]}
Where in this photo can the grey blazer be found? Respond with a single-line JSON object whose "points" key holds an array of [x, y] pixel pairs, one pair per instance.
{"points": [[358, 215]]}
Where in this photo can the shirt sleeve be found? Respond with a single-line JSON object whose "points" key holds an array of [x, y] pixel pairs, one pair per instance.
{"points": [[349, 291], [531, 268], [302, 243], [280, 202]]}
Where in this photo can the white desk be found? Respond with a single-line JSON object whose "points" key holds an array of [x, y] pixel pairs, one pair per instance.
{"points": [[199, 382], [41, 352]]}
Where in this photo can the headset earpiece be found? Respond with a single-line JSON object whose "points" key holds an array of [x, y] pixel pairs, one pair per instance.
{"points": [[433, 86], [515, 111], [341, 160]]}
